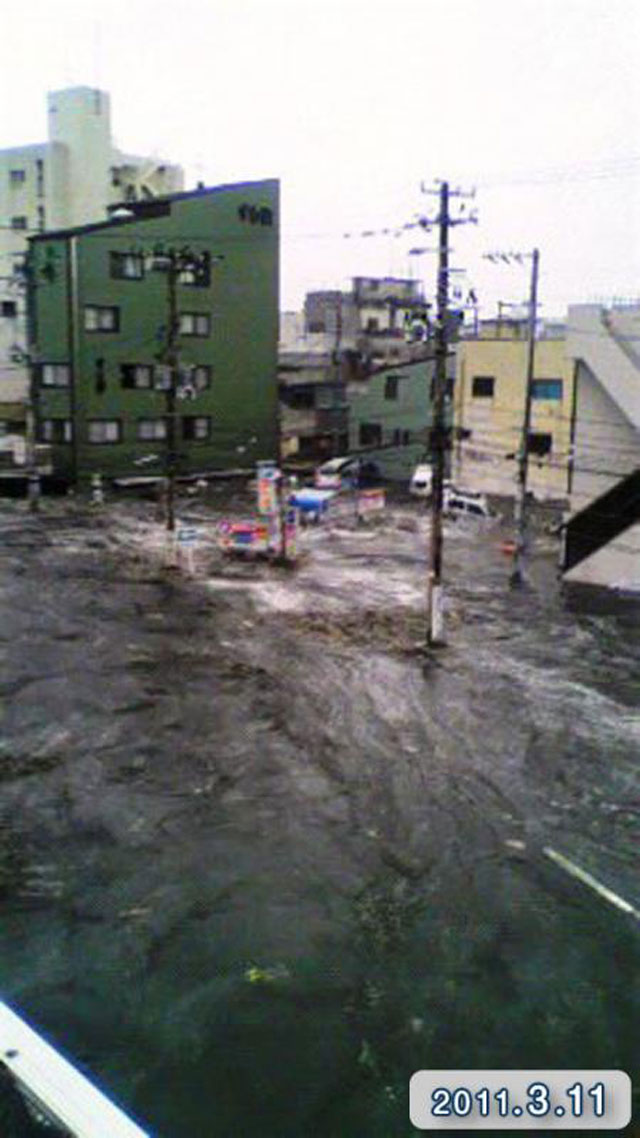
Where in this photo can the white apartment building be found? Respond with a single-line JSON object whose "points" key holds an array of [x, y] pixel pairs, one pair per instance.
{"points": [[69, 180]]}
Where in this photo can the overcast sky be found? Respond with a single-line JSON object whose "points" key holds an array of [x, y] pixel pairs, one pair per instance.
{"points": [[354, 103]]}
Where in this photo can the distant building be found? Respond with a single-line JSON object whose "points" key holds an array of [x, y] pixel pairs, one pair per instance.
{"points": [[490, 389], [391, 416], [99, 334], [339, 339], [69, 180]]}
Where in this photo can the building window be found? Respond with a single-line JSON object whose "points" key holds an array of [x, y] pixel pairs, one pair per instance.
{"points": [[136, 375], [152, 429], [391, 387], [105, 430], [373, 324], [9, 308], [55, 431], [54, 375], [540, 444], [483, 386], [101, 318], [17, 177], [126, 266], [196, 427], [194, 324], [406, 438], [396, 437], [370, 434], [40, 177], [19, 222], [162, 377], [197, 275], [41, 221], [200, 376], [546, 389]]}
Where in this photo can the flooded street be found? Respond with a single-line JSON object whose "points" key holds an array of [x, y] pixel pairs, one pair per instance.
{"points": [[260, 859]]}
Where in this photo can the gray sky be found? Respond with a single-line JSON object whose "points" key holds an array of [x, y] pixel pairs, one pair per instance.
{"points": [[354, 103]]}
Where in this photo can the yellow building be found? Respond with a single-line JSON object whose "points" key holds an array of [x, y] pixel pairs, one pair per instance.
{"points": [[489, 401]]}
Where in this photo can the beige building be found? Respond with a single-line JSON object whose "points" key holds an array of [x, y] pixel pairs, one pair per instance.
{"points": [[69, 180], [489, 402]]}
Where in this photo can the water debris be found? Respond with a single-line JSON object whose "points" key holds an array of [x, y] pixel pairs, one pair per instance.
{"points": [[256, 975]]}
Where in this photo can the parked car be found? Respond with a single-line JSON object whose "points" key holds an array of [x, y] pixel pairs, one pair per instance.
{"points": [[421, 482], [345, 472]]}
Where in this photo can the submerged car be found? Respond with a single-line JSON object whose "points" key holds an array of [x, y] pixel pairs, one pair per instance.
{"points": [[346, 472], [470, 502]]}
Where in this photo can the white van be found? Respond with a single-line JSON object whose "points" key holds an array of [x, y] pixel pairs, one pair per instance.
{"points": [[422, 481], [468, 502]]}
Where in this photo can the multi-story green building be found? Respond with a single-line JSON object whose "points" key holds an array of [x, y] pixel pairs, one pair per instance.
{"points": [[103, 337]]}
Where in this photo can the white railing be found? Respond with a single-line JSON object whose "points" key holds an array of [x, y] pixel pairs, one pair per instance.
{"points": [[53, 1084]]}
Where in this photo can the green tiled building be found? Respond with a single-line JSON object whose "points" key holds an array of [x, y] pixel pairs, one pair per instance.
{"points": [[99, 329]]}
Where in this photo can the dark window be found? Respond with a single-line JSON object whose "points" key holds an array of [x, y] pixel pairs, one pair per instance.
{"points": [[201, 376], [196, 427], [55, 431], [136, 375], [391, 387], [18, 222], [483, 386], [41, 221], [316, 326], [546, 389], [54, 375], [194, 324], [104, 431], [9, 308], [197, 274], [126, 266], [17, 177], [101, 379], [101, 318], [373, 324], [396, 436], [370, 434], [406, 438], [539, 443], [162, 377], [152, 429], [300, 398]]}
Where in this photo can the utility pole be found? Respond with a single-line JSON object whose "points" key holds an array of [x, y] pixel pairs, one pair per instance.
{"points": [[517, 575], [520, 544], [172, 362], [439, 433], [174, 262]]}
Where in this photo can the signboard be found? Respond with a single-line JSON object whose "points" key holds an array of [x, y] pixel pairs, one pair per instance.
{"points": [[267, 481], [244, 536], [369, 501], [187, 535]]}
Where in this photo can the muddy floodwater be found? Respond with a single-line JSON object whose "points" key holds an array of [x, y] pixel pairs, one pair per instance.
{"points": [[261, 860]]}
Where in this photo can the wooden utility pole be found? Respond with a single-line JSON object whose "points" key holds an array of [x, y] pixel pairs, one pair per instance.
{"points": [[439, 432], [517, 575], [435, 629], [172, 362]]}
